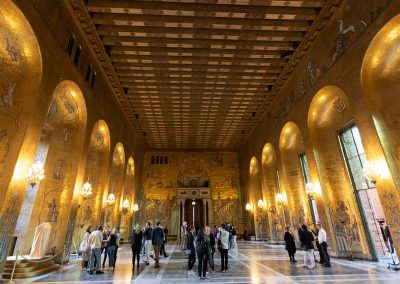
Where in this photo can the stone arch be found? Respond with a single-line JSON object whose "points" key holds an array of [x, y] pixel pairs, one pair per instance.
{"points": [[330, 111], [21, 75], [116, 186], [291, 146], [95, 174], [380, 82], [270, 181], [59, 150]]}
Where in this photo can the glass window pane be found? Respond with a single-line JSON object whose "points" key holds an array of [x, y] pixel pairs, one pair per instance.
{"points": [[357, 138], [348, 144]]}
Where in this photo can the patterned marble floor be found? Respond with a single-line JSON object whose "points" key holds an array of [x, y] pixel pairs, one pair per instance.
{"points": [[253, 263]]}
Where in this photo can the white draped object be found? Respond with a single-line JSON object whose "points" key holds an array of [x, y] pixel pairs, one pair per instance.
{"points": [[40, 241]]}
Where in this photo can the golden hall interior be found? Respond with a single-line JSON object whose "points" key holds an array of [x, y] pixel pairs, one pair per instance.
{"points": [[263, 114]]}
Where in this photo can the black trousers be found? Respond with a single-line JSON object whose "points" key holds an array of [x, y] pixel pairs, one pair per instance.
{"points": [[115, 255], [202, 265], [321, 255], [162, 250], [324, 249], [191, 259], [105, 255], [135, 255], [224, 259]]}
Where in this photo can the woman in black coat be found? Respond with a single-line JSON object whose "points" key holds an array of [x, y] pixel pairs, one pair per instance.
{"points": [[290, 244], [136, 245]]}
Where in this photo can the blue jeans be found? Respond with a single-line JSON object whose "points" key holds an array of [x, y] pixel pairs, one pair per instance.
{"points": [[111, 256], [95, 254]]}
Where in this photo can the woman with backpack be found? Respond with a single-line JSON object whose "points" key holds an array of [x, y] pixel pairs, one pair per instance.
{"points": [[190, 251], [202, 253], [210, 240]]}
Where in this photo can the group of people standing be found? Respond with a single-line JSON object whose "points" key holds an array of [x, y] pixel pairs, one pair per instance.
{"points": [[97, 243], [149, 242], [201, 242], [307, 238]]}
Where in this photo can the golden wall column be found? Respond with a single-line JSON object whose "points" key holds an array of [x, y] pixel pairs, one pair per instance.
{"points": [[380, 84]]}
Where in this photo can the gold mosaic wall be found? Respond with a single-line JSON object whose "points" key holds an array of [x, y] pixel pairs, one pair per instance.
{"points": [[218, 170]]}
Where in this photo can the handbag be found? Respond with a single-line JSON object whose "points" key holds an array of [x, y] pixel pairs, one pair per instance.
{"points": [[219, 244], [83, 246]]}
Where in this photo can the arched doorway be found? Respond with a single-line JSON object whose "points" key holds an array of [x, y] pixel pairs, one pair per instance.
{"points": [[128, 201], [21, 74], [293, 157], [380, 84], [258, 202], [112, 196], [59, 150], [350, 197], [270, 178], [95, 175]]}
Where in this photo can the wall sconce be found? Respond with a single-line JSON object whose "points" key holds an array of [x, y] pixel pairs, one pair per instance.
{"points": [[86, 190], [35, 173], [279, 198], [111, 199], [261, 203], [310, 189], [248, 207], [125, 204], [371, 173], [135, 207]]}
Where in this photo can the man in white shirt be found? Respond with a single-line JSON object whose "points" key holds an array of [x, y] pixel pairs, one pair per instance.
{"points": [[95, 242], [324, 245]]}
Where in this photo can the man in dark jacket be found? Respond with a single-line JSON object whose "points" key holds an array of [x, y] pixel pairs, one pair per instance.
{"points": [[157, 239], [162, 250]]}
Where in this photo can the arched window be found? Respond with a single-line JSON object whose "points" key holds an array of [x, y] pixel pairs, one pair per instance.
{"points": [[152, 160], [157, 160], [166, 160], [161, 160]]}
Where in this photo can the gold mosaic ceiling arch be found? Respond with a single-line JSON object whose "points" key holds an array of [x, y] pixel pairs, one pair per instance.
{"points": [[130, 169], [290, 136], [268, 155], [254, 168], [327, 104]]}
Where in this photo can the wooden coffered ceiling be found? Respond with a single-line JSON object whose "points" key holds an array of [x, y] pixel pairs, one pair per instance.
{"points": [[199, 74]]}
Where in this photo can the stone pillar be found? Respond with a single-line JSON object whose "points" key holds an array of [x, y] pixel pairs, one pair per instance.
{"points": [[205, 211]]}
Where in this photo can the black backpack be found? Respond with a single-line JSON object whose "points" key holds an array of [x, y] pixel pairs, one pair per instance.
{"points": [[201, 246]]}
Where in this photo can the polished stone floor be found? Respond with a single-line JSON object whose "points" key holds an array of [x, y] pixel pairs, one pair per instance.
{"points": [[253, 263]]}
